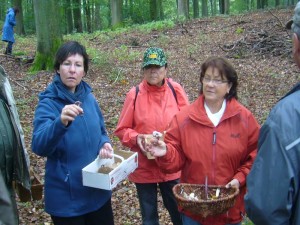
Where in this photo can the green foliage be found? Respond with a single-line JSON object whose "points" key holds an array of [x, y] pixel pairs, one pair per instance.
{"points": [[117, 74], [100, 58], [158, 25], [192, 49], [162, 40], [41, 62], [122, 54], [247, 221], [239, 30]]}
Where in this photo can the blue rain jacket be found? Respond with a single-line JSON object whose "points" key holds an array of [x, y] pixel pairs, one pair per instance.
{"points": [[273, 183], [8, 27], [69, 149]]}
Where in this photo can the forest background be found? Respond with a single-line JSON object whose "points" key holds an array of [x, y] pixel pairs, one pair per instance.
{"points": [[250, 34]]}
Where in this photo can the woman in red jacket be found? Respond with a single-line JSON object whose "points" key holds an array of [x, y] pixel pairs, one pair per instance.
{"points": [[150, 107], [215, 137]]}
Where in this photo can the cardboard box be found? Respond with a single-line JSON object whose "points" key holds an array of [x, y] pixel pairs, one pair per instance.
{"points": [[36, 191], [92, 178]]}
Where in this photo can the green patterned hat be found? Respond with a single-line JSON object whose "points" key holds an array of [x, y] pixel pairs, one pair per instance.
{"points": [[154, 56]]}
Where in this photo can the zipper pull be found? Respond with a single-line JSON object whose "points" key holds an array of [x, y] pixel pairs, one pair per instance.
{"points": [[214, 138], [67, 177]]}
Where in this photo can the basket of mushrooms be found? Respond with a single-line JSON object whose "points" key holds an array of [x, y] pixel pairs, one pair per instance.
{"points": [[205, 200]]}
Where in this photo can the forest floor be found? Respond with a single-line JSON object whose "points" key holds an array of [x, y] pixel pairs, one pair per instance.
{"points": [[256, 43]]}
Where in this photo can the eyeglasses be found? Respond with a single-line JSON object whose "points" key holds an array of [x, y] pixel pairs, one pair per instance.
{"points": [[206, 80]]}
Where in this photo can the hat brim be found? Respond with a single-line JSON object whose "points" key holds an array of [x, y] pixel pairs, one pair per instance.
{"points": [[153, 62], [288, 25]]}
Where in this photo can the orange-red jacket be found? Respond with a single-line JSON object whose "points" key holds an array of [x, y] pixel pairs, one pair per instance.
{"points": [[198, 148], [154, 109]]}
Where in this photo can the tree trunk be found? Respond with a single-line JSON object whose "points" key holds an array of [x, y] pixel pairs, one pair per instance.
{"points": [[48, 33], [226, 7], [153, 10], [86, 8], [204, 8], [222, 6], [196, 8], [19, 18], [97, 17], [69, 17], [77, 16], [161, 10], [182, 11], [116, 12]]}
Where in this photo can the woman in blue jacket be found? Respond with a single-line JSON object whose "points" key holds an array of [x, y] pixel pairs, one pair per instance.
{"points": [[69, 130], [8, 29]]}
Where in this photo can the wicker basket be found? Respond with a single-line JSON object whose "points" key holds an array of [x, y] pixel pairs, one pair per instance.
{"points": [[200, 204]]}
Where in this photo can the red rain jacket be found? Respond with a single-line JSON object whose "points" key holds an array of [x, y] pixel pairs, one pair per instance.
{"points": [[198, 148], [154, 109]]}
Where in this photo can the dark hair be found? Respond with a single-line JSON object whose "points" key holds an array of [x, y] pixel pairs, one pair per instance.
{"points": [[71, 48], [16, 10], [226, 70]]}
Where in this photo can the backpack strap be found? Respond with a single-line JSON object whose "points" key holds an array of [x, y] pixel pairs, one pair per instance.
{"points": [[137, 89], [173, 90]]}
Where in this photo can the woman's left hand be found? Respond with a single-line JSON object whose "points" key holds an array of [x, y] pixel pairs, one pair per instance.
{"points": [[106, 151], [232, 183]]}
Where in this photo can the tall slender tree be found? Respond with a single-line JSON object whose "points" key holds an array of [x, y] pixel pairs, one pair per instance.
{"points": [[116, 12], [97, 16], [195, 8], [204, 8], [77, 16], [154, 10], [69, 16], [182, 9], [48, 33]]}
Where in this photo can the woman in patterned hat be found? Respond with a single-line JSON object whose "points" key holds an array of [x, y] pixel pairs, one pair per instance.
{"points": [[150, 107]]}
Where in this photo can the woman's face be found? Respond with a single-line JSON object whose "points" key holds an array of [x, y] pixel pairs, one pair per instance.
{"points": [[214, 87], [71, 71], [154, 74]]}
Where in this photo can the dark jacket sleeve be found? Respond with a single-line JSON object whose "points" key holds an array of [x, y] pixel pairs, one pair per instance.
{"points": [[273, 182], [6, 208]]}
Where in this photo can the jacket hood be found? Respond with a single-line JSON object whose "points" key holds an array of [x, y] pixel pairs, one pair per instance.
{"points": [[10, 10], [57, 90]]}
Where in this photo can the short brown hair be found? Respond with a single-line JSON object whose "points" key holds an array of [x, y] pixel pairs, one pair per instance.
{"points": [[226, 70]]}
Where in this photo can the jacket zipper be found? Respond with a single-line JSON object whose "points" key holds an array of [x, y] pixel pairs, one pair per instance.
{"points": [[214, 153]]}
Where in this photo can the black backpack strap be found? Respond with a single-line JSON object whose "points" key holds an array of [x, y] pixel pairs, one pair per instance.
{"points": [[173, 90], [137, 89]]}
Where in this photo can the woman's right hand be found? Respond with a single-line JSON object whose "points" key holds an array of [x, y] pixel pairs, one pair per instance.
{"points": [[157, 148], [69, 112]]}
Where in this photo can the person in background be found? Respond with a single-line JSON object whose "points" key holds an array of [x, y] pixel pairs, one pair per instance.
{"points": [[150, 107], [8, 29], [69, 130], [273, 195], [213, 139]]}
